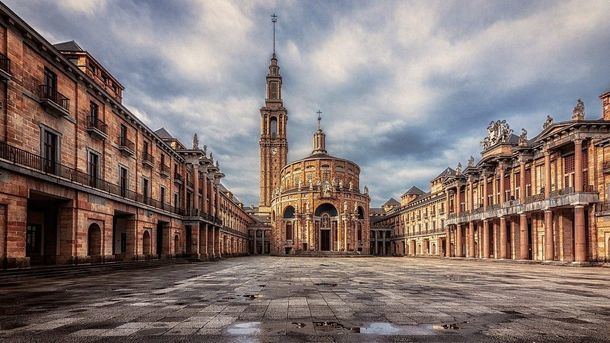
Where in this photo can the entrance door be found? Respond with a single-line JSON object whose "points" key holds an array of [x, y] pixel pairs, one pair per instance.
{"points": [[33, 240], [325, 240]]}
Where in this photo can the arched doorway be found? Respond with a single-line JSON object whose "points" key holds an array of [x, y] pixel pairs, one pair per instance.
{"points": [[146, 243], [177, 248], [327, 226], [94, 240]]}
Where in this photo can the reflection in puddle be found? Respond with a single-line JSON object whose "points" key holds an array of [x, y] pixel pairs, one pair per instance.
{"points": [[247, 328], [380, 328]]}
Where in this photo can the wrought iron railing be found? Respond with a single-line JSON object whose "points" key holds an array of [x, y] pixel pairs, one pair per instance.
{"points": [[148, 157], [5, 63], [94, 123], [50, 93], [125, 143], [164, 169], [48, 166]]}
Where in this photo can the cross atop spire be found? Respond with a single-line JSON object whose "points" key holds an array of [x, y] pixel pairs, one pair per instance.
{"points": [[319, 118], [274, 20]]}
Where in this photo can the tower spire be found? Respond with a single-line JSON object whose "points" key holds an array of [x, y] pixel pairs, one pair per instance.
{"points": [[319, 118], [319, 138], [274, 20]]}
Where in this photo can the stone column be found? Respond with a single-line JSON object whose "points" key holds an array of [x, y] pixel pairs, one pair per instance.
{"points": [[580, 240], [255, 250], [485, 194], [447, 243], [195, 241], [459, 239], [522, 181], [501, 178], [213, 241], [205, 192], [376, 246], [547, 173], [549, 252], [196, 185], [496, 241], [471, 252], [578, 167], [263, 241], [485, 238], [502, 249], [523, 237]]}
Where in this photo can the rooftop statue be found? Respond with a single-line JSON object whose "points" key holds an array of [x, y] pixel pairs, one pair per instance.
{"points": [[548, 122], [471, 161], [523, 137], [497, 132], [578, 113], [195, 142]]}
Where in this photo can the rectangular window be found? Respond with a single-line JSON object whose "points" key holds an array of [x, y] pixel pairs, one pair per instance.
{"points": [[94, 169], [93, 113], [50, 81], [123, 134], [50, 152], [162, 197], [145, 189], [176, 200], [123, 180]]}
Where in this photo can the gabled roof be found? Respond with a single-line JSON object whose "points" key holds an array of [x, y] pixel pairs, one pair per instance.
{"points": [[163, 134], [447, 172], [413, 191], [68, 46], [391, 202]]}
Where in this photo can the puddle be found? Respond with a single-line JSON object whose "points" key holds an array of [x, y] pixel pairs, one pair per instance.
{"points": [[247, 328], [331, 326], [299, 324], [251, 296], [326, 284]]}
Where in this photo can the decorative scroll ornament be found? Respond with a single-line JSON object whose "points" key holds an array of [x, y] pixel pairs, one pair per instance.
{"points": [[471, 162], [578, 113], [548, 122], [523, 137], [497, 132], [195, 142]]}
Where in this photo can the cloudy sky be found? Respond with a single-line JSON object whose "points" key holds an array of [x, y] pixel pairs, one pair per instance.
{"points": [[406, 88]]}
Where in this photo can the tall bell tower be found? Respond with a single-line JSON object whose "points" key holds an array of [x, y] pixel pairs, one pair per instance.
{"points": [[273, 139]]}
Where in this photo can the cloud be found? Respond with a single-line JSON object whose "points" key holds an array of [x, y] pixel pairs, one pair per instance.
{"points": [[406, 87]]}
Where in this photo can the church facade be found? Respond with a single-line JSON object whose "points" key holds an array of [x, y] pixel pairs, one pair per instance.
{"points": [[315, 204]]}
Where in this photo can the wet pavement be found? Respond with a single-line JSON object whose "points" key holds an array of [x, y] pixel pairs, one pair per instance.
{"points": [[274, 299]]}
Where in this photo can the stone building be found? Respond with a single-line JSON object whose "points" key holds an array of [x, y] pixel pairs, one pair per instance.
{"points": [[318, 206], [311, 205], [542, 199], [84, 180]]}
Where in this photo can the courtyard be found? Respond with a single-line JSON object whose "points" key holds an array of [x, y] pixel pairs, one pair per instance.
{"points": [[252, 299]]}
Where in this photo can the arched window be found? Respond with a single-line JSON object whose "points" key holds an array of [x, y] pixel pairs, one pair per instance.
{"points": [[360, 212], [289, 212], [273, 127], [94, 240]]}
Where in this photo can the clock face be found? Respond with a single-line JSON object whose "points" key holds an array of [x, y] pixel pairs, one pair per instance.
{"points": [[274, 151]]}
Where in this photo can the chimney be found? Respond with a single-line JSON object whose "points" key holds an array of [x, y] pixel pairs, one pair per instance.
{"points": [[605, 98]]}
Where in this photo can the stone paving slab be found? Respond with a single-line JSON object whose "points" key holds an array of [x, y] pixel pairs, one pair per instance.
{"points": [[278, 299]]}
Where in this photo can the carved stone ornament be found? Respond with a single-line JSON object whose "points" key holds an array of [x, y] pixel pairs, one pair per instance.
{"points": [[471, 161], [497, 132], [366, 190], [578, 113], [351, 185], [548, 122], [458, 169], [345, 206], [195, 142], [523, 137]]}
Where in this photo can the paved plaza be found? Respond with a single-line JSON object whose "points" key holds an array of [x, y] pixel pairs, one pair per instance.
{"points": [[276, 299]]}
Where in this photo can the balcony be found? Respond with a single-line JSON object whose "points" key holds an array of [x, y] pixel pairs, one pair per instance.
{"points": [[5, 67], [53, 101], [126, 146], [61, 172], [148, 159], [178, 179], [97, 128], [164, 170]]}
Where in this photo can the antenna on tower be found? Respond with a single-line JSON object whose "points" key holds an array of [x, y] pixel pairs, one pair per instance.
{"points": [[274, 20]]}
